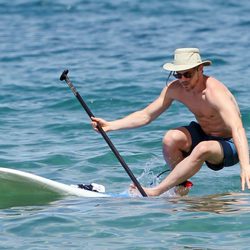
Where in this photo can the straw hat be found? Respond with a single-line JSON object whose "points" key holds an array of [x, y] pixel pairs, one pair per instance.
{"points": [[186, 58]]}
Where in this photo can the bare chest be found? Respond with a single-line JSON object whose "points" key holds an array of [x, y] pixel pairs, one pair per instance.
{"points": [[198, 104]]}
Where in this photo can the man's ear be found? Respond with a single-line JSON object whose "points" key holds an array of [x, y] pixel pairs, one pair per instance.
{"points": [[200, 68]]}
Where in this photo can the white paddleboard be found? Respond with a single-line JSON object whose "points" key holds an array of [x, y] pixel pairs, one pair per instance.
{"points": [[19, 188], [16, 183]]}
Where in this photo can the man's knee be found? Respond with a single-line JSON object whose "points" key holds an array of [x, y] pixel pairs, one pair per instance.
{"points": [[170, 138], [203, 150], [176, 138]]}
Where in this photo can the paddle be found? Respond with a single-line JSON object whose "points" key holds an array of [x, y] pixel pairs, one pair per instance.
{"points": [[65, 77]]}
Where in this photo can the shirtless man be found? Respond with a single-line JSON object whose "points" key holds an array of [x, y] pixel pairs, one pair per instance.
{"points": [[216, 138]]}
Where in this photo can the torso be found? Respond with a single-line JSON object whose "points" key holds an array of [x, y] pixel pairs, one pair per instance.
{"points": [[201, 105]]}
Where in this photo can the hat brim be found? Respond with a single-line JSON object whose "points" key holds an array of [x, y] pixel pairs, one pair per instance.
{"points": [[174, 67]]}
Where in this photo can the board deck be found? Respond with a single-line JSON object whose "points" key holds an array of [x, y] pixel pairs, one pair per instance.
{"points": [[18, 187]]}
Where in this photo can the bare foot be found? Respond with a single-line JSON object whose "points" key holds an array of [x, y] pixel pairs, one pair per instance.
{"points": [[180, 190]]}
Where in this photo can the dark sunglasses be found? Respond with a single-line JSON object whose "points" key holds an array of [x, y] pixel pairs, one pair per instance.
{"points": [[187, 74]]}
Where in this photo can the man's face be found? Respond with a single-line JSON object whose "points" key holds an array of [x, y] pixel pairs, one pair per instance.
{"points": [[187, 78]]}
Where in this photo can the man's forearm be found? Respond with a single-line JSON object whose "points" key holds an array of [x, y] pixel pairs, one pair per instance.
{"points": [[134, 120], [240, 140]]}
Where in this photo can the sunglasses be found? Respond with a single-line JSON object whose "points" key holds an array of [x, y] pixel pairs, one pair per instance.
{"points": [[187, 74]]}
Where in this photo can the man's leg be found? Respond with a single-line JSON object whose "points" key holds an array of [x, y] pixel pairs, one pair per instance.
{"points": [[175, 143], [210, 151]]}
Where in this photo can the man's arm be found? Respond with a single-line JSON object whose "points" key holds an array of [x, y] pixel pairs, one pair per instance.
{"points": [[229, 111], [138, 118]]}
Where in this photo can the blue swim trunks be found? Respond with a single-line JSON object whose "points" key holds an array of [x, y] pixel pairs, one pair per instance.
{"points": [[230, 153]]}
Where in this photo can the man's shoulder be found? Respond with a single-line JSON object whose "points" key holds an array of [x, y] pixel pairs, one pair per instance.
{"points": [[173, 90], [213, 80], [214, 84], [215, 89], [174, 85]]}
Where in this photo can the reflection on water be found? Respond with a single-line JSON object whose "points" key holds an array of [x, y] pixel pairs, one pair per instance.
{"points": [[217, 203]]}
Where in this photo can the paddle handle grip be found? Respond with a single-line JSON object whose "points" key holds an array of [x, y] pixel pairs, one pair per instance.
{"points": [[65, 77]]}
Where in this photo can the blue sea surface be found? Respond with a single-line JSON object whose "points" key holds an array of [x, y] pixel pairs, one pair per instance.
{"points": [[114, 50]]}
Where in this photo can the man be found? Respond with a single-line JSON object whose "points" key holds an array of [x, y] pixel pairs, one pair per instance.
{"points": [[216, 138]]}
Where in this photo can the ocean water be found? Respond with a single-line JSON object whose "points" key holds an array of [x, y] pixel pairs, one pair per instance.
{"points": [[114, 50]]}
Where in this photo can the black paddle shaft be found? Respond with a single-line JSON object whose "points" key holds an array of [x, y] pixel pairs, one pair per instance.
{"points": [[65, 77]]}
